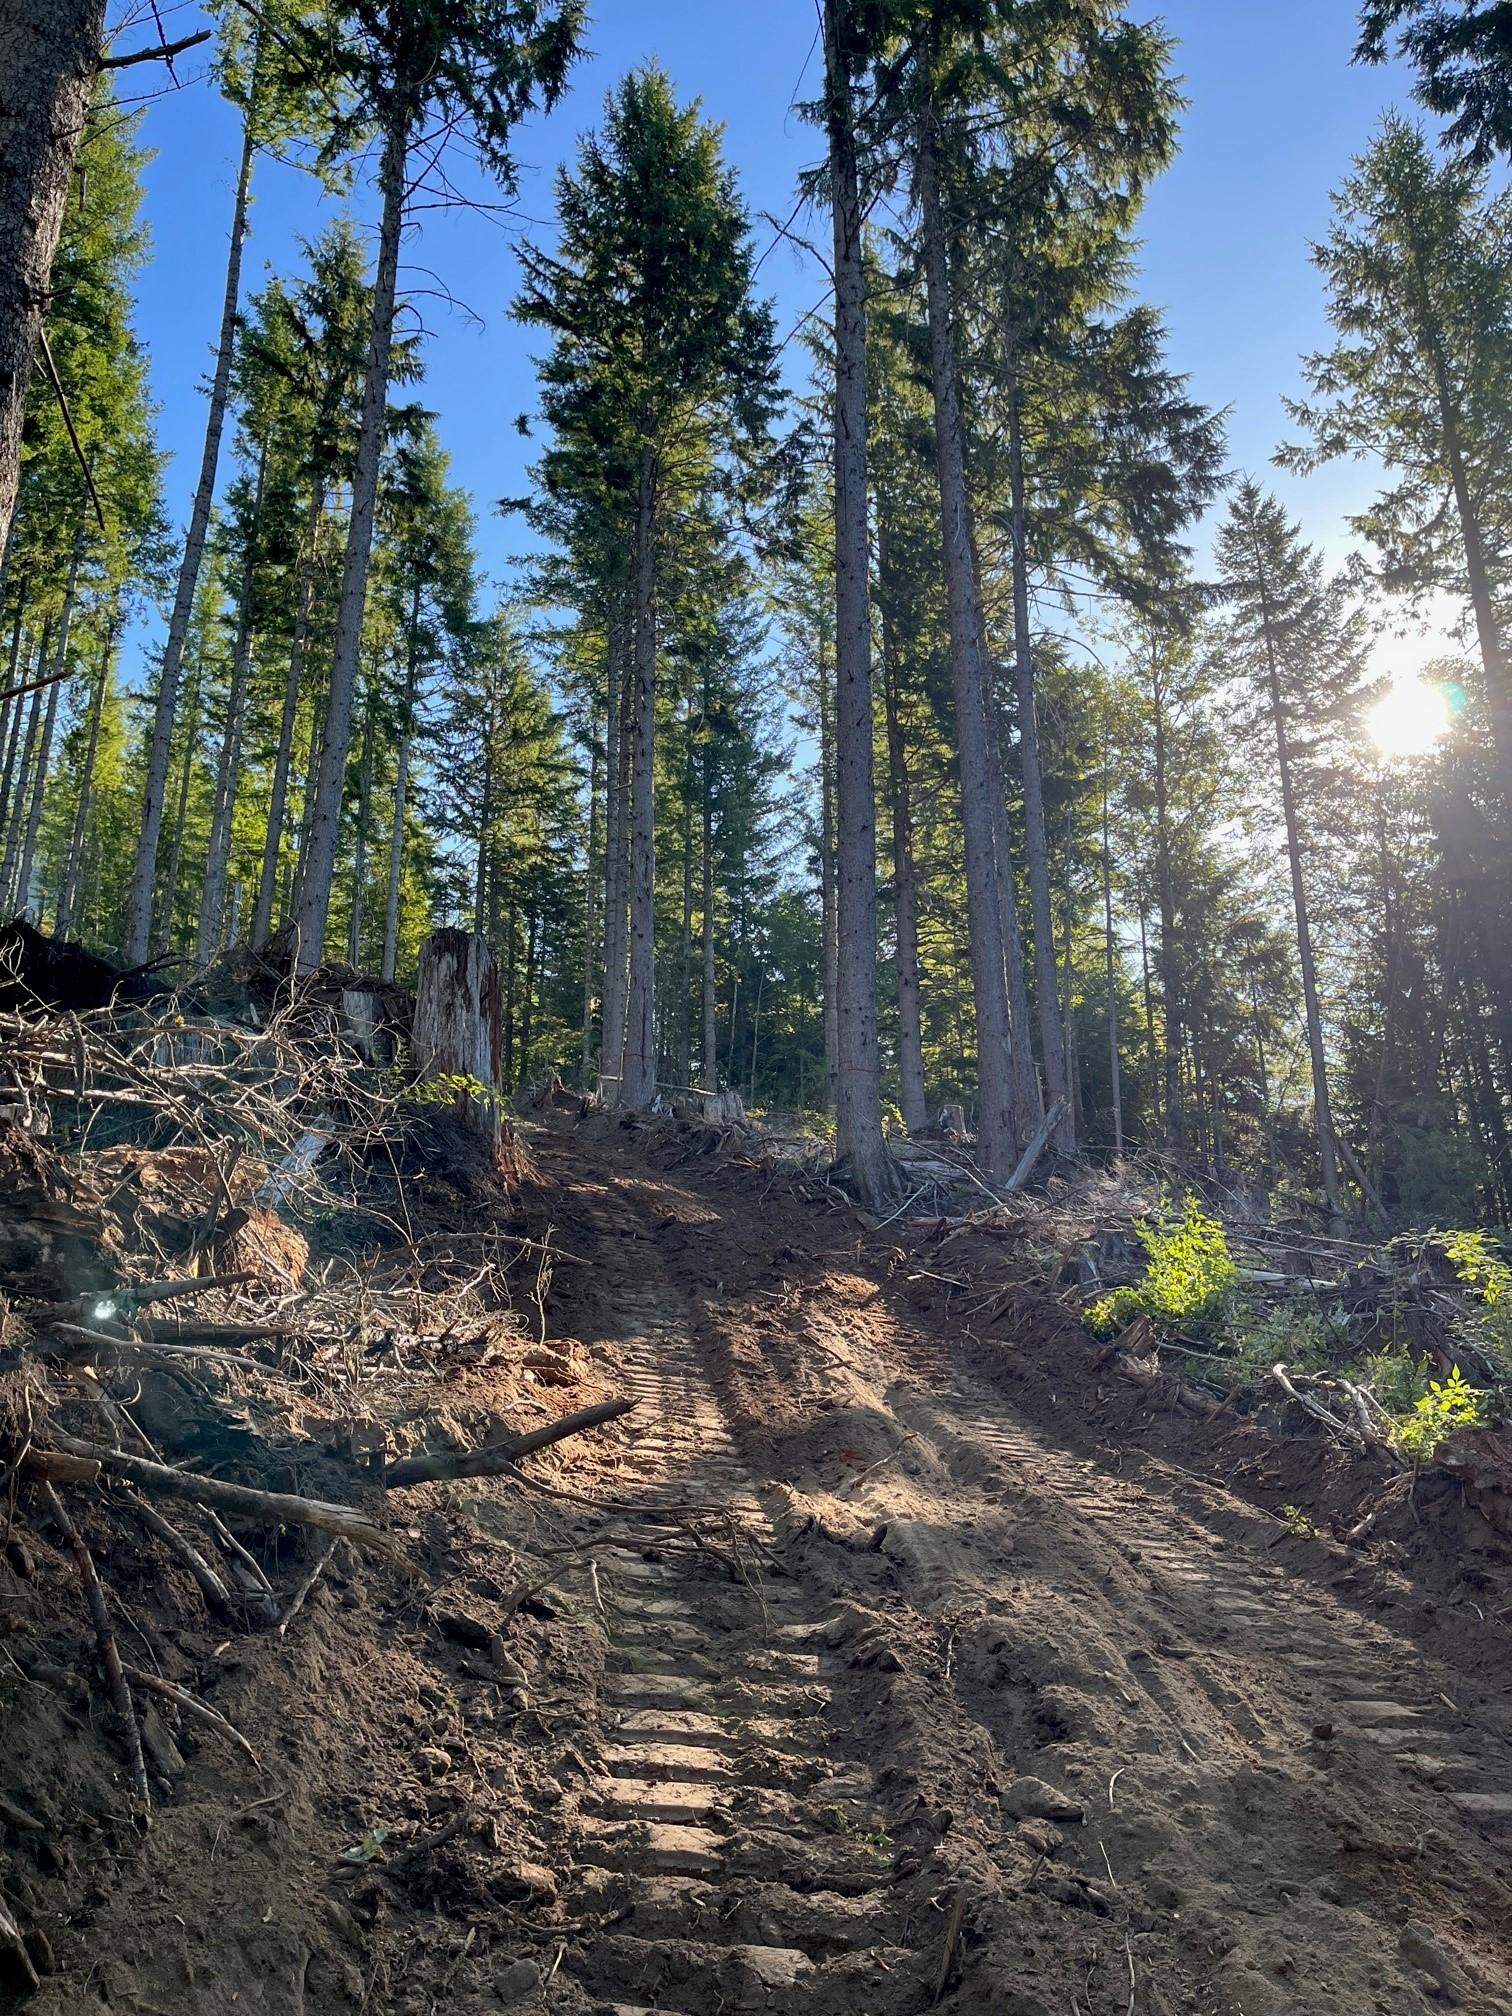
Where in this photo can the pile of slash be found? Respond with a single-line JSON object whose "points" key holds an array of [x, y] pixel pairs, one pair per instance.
{"points": [[251, 1288]]}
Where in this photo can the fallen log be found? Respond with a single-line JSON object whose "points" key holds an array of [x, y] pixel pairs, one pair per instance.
{"points": [[275, 1507], [498, 1457]]}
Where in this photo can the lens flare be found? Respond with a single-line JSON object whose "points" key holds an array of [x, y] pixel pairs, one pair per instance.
{"points": [[1409, 719]]}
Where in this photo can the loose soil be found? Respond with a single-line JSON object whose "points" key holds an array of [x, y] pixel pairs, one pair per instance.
{"points": [[903, 1660]]}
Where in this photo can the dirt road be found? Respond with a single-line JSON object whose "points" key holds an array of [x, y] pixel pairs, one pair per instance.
{"points": [[952, 1716]]}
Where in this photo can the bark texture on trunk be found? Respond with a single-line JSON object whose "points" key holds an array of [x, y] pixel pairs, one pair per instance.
{"points": [[278, 796], [905, 884], [228, 772], [590, 912], [616, 890], [858, 1091], [73, 872], [1036, 840], [457, 1027], [638, 1080], [996, 1130], [165, 711], [829, 922], [1326, 1149], [330, 785], [38, 793], [191, 714], [49, 58]]}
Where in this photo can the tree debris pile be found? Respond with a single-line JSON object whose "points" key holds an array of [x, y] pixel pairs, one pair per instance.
{"points": [[254, 1293]]}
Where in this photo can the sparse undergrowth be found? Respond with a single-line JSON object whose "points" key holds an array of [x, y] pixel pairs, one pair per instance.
{"points": [[1193, 1292]]}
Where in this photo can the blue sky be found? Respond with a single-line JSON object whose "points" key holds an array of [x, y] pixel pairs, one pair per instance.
{"points": [[1276, 111]]}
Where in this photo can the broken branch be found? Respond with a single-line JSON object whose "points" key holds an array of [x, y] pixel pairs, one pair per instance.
{"points": [[501, 1456]]}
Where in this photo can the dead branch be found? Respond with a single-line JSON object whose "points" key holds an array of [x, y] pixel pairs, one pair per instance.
{"points": [[274, 1507], [214, 1591], [501, 1456], [10, 1935], [191, 1704], [298, 1599], [110, 1656]]}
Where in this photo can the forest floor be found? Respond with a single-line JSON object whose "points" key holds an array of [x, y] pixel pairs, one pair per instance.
{"points": [[885, 1667]]}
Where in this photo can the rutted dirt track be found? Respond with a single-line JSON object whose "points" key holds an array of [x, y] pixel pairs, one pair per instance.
{"points": [[955, 1717]]}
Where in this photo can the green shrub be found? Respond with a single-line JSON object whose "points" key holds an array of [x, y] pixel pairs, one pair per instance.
{"points": [[1187, 1285], [1448, 1404]]}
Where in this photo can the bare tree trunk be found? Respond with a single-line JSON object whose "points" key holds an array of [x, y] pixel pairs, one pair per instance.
{"points": [[228, 776], [860, 1147], [709, 1053], [616, 892], [359, 852], [683, 1061], [190, 715], [68, 900], [829, 921], [1171, 981], [49, 722], [1036, 841], [1028, 1095], [49, 58], [1326, 1150], [330, 787], [21, 776], [10, 723], [527, 1005], [1114, 1080], [485, 825], [638, 1082], [144, 875], [278, 796], [590, 909], [905, 882], [38, 793], [401, 784], [997, 1133]]}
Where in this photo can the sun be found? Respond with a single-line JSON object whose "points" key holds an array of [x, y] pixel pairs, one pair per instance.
{"points": [[1410, 719]]}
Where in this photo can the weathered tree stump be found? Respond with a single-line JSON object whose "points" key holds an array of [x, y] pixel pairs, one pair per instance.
{"points": [[456, 1032]]}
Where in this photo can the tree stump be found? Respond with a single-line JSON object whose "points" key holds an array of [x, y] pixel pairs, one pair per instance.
{"points": [[456, 1032]]}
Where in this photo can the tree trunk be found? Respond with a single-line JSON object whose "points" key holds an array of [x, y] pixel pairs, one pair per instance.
{"points": [[1028, 1093], [278, 797], [859, 1144], [638, 1081], [1115, 1082], [829, 922], [456, 1027], [44, 756], [485, 828], [228, 775], [191, 711], [73, 872], [996, 1131], [359, 852], [1172, 1005], [616, 892], [1036, 840], [10, 725], [590, 908], [401, 784], [21, 775], [709, 1052], [330, 787], [22, 900], [527, 1005], [1326, 1149], [683, 1061], [49, 58], [905, 882], [144, 876]]}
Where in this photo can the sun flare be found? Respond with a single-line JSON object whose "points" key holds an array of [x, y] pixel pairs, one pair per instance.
{"points": [[1410, 719]]}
